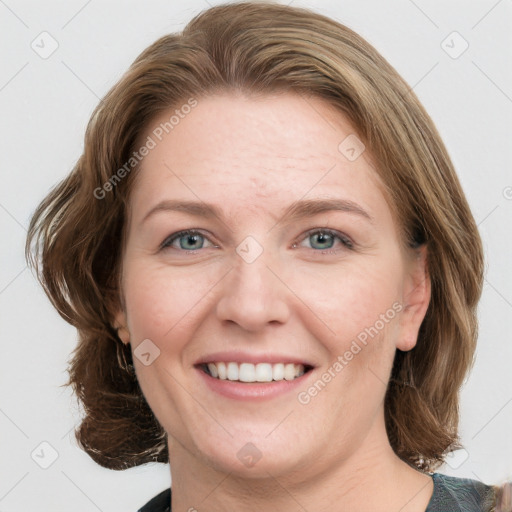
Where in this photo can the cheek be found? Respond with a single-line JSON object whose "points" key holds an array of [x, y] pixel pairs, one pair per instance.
{"points": [[361, 307], [350, 300], [161, 300]]}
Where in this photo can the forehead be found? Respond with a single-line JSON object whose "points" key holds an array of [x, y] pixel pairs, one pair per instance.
{"points": [[246, 152]]}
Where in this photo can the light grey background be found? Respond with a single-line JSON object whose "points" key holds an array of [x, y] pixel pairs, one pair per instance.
{"points": [[45, 105]]}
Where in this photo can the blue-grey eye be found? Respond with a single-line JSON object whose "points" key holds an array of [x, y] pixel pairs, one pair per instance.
{"points": [[188, 241], [325, 239]]}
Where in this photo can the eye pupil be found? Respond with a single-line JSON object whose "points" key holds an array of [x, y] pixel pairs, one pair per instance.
{"points": [[324, 238], [192, 239]]}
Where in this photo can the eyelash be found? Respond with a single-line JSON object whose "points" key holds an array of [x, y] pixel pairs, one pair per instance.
{"points": [[345, 241]]}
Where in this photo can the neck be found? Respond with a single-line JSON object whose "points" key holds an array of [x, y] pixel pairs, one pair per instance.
{"points": [[371, 478]]}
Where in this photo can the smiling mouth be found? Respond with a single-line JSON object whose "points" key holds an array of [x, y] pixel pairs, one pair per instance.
{"points": [[260, 372]]}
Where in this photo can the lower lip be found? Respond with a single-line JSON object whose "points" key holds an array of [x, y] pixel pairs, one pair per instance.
{"points": [[252, 390]]}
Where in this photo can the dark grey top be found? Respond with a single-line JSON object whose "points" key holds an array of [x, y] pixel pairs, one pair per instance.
{"points": [[451, 494]]}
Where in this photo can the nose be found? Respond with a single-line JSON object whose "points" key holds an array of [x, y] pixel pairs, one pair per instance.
{"points": [[253, 296]]}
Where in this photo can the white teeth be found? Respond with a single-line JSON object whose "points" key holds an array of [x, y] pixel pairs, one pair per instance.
{"points": [[261, 372], [246, 372], [289, 371], [264, 372], [232, 371], [221, 369], [213, 370], [278, 371]]}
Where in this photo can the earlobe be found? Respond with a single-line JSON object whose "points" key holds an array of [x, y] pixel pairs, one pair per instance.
{"points": [[121, 328], [416, 298]]}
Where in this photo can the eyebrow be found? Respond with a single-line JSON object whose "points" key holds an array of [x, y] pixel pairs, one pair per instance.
{"points": [[296, 211]]}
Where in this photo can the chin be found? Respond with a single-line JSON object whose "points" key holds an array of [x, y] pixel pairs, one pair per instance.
{"points": [[252, 456]]}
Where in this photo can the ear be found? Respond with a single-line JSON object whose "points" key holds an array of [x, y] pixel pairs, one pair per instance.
{"points": [[416, 298], [120, 325]]}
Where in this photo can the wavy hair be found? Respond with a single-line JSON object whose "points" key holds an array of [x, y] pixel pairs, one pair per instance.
{"points": [[76, 234]]}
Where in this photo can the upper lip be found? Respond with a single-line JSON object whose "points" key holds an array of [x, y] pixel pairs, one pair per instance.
{"points": [[246, 357]]}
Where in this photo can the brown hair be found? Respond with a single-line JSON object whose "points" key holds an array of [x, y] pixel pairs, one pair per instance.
{"points": [[75, 236]]}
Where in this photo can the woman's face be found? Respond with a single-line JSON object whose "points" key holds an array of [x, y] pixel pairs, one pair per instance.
{"points": [[294, 259]]}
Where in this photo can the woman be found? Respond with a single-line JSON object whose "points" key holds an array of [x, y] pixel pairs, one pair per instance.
{"points": [[273, 271]]}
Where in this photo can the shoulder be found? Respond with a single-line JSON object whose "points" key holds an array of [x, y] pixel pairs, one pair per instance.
{"points": [[453, 494], [160, 503]]}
